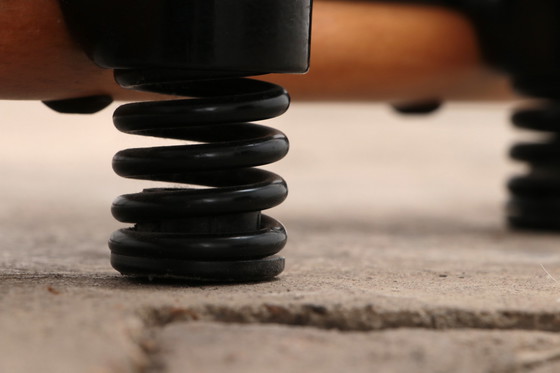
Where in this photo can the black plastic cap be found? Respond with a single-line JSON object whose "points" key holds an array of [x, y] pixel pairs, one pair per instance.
{"points": [[521, 38], [217, 35]]}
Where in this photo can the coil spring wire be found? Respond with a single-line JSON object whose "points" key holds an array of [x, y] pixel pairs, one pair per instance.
{"points": [[214, 233], [535, 197]]}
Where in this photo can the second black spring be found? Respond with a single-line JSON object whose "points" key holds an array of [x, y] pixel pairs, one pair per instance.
{"points": [[535, 197], [213, 229]]}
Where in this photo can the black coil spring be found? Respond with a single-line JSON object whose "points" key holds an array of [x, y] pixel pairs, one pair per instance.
{"points": [[535, 197], [213, 229]]}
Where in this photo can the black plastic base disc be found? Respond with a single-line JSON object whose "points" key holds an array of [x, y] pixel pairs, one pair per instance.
{"points": [[227, 271]]}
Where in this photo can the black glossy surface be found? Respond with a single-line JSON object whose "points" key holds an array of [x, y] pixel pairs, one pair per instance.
{"points": [[216, 232], [232, 35], [264, 239], [228, 271]]}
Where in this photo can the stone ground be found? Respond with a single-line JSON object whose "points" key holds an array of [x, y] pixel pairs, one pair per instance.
{"points": [[398, 259]]}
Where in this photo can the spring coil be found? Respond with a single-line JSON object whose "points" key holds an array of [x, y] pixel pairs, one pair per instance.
{"points": [[212, 230], [535, 197]]}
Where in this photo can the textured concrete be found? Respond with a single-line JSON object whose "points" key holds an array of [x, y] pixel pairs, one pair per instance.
{"points": [[186, 347], [398, 258]]}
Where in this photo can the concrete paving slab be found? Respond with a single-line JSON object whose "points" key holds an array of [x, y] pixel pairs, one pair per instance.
{"points": [[185, 347], [393, 224]]}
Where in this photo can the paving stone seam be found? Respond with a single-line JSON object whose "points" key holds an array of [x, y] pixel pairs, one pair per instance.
{"points": [[155, 319], [353, 319]]}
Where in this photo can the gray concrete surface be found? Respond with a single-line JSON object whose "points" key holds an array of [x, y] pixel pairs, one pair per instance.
{"points": [[398, 259]]}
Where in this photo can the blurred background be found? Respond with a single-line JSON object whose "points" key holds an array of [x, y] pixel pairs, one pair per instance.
{"points": [[357, 160]]}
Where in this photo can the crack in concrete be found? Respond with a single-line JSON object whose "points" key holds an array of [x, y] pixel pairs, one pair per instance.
{"points": [[531, 360], [153, 361], [365, 318]]}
